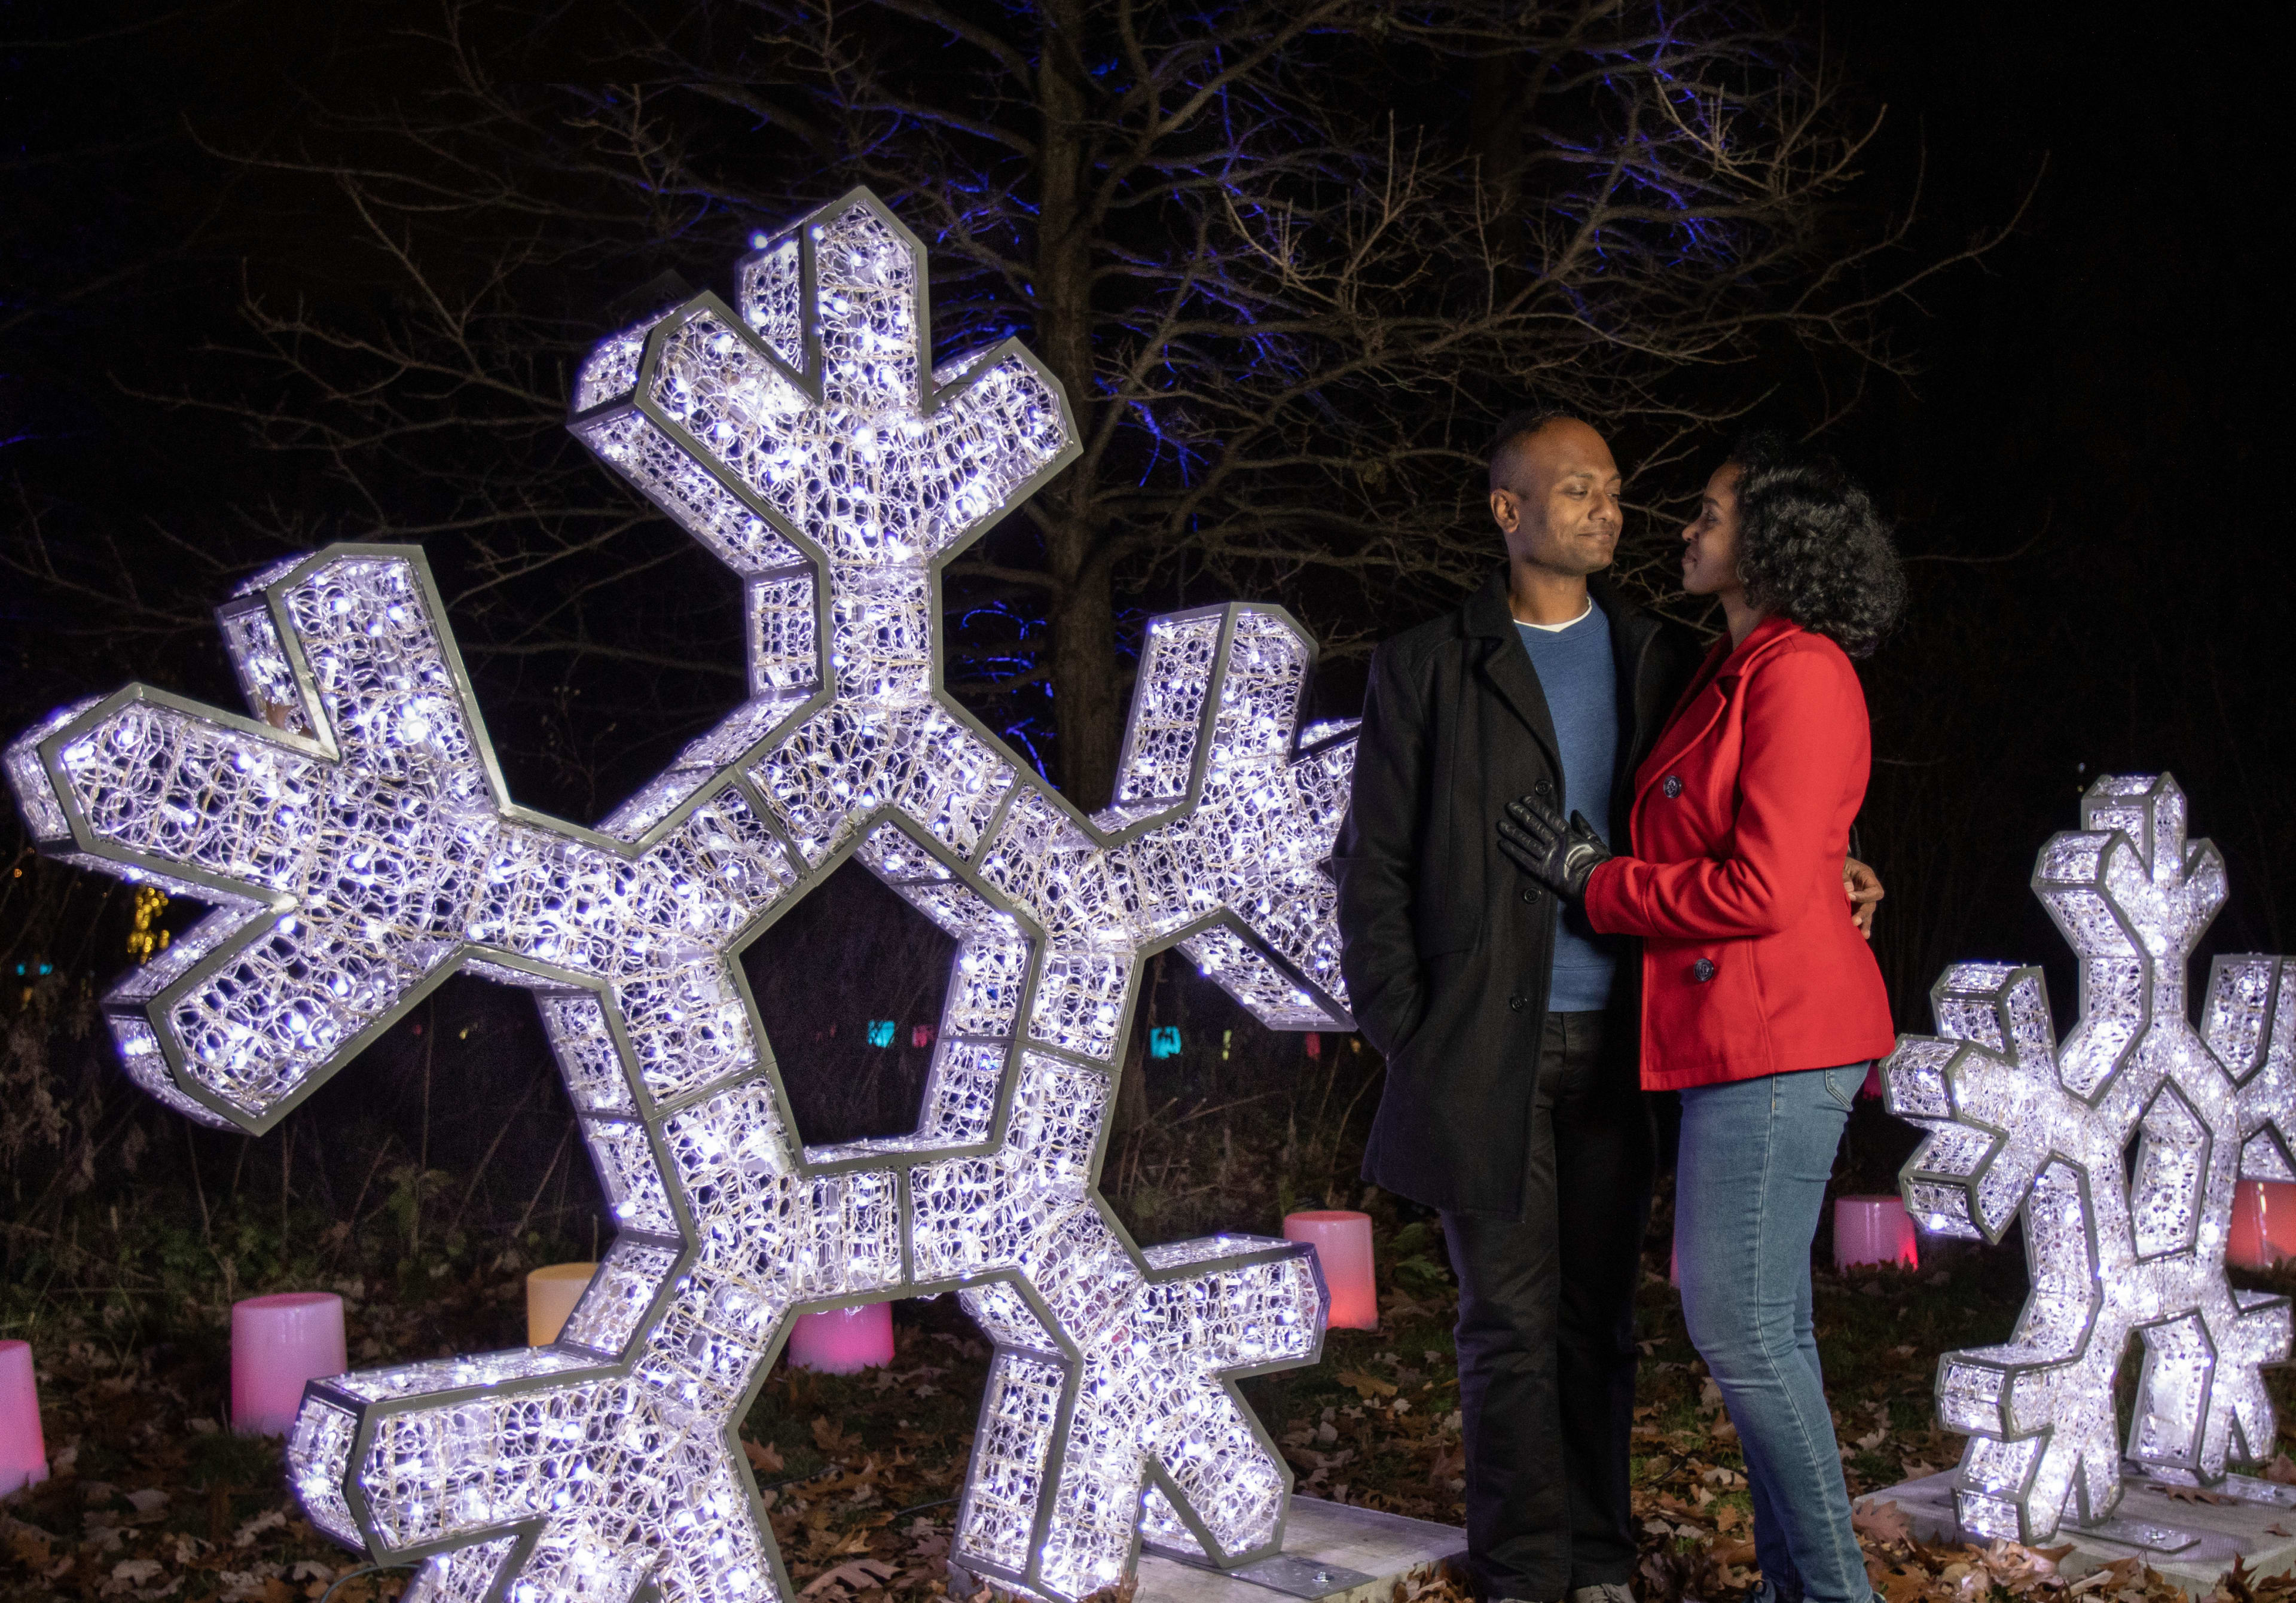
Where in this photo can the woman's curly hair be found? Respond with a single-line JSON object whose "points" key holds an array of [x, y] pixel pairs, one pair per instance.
{"points": [[1811, 546]]}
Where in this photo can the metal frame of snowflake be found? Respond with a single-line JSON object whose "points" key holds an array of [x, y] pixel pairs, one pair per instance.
{"points": [[2024, 1128], [357, 845]]}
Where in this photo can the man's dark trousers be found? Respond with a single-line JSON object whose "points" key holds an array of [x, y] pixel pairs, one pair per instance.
{"points": [[1546, 1334]]}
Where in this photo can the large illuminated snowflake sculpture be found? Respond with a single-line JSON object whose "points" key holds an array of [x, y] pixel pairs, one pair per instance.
{"points": [[2119, 1241], [357, 846]]}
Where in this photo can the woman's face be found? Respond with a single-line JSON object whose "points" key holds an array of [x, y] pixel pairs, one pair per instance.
{"points": [[1709, 541]]}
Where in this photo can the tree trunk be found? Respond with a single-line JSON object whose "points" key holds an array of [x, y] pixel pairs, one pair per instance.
{"points": [[1495, 112], [1086, 718], [1086, 713]]}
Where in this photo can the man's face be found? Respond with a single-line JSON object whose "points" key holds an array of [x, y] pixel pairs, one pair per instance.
{"points": [[1557, 500]]}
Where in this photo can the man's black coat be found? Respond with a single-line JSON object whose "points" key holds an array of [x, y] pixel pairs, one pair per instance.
{"points": [[1446, 945]]}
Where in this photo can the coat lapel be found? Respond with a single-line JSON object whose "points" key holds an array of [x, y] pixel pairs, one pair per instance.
{"points": [[1699, 714], [1505, 665], [1642, 719], [1688, 727]]}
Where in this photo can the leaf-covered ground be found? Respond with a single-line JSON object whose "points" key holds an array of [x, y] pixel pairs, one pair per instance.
{"points": [[152, 1497]]}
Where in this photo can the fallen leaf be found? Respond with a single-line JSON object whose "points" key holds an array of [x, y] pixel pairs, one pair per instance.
{"points": [[271, 1519], [1366, 1386], [764, 1456], [136, 1572], [1449, 1464], [831, 1441], [862, 1574], [1901, 1586], [1881, 1522], [2282, 1470], [2273, 1529]]}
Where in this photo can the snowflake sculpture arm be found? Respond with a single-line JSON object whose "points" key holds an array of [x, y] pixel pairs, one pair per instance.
{"points": [[355, 842], [2023, 1127]]}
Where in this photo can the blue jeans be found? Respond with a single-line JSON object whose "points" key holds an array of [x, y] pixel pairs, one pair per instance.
{"points": [[1748, 1185]]}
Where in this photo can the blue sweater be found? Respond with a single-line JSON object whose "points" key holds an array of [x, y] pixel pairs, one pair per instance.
{"points": [[1579, 678]]}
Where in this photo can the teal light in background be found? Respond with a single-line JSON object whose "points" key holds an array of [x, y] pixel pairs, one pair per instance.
{"points": [[881, 1032], [1164, 1041]]}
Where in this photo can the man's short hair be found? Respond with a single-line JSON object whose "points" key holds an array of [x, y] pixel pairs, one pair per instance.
{"points": [[1517, 427]]}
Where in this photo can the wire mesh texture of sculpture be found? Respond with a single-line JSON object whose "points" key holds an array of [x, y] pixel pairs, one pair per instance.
{"points": [[2022, 1126], [356, 845]]}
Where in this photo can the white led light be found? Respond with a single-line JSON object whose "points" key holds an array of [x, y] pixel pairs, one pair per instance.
{"points": [[357, 846], [2023, 1127]]}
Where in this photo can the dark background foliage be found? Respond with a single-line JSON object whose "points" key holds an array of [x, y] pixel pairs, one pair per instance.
{"points": [[211, 349]]}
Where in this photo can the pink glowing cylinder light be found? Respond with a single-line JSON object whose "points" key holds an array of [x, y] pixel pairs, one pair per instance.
{"points": [[843, 1340], [2263, 1224], [1874, 1230], [551, 1293], [277, 1342], [23, 1451], [1343, 1244]]}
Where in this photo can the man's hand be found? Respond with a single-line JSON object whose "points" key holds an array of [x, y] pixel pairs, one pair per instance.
{"points": [[1561, 856], [1863, 887]]}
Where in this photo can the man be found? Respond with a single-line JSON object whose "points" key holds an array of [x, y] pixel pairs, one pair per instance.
{"points": [[1512, 1103]]}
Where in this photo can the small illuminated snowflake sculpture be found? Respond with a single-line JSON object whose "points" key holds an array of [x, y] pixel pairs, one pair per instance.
{"points": [[357, 846], [2118, 1150]]}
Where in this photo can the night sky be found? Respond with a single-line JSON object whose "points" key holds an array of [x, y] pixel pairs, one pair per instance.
{"points": [[2103, 398], [2080, 471]]}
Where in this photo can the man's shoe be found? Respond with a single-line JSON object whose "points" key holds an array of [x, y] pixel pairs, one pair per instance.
{"points": [[1610, 1591]]}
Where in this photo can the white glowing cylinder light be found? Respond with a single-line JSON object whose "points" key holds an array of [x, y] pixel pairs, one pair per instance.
{"points": [[2022, 1126], [355, 846]]}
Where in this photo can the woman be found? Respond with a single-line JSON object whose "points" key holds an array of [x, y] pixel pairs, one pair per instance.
{"points": [[1761, 1003]]}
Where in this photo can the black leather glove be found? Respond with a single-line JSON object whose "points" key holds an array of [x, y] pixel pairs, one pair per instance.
{"points": [[1561, 856]]}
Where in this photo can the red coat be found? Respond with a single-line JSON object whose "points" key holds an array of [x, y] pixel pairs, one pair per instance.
{"points": [[1741, 819]]}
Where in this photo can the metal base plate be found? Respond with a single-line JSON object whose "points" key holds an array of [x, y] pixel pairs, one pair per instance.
{"points": [[1291, 1575], [2190, 1544], [1332, 1554], [2139, 1533]]}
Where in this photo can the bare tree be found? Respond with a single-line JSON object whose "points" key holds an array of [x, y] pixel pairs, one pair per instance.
{"points": [[1291, 258]]}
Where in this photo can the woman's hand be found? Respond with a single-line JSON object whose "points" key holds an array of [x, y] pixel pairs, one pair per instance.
{"points": [[1863, 887], [1561, 856]]}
